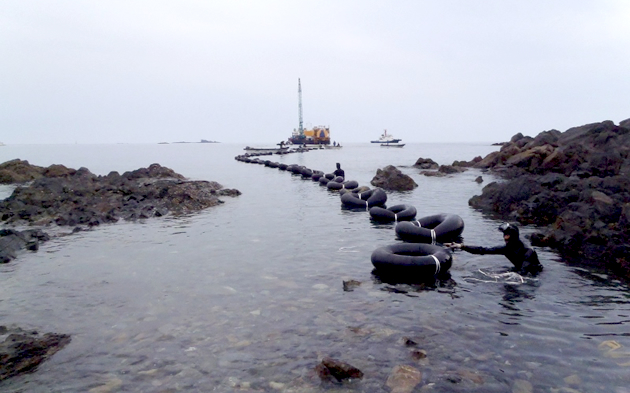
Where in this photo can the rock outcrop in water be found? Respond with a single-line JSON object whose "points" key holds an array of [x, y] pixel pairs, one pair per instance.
{"points": [[12, 241], [575, 184], [22, 351], [66, 196], [391, 178], [426, 163], [69, 197]]}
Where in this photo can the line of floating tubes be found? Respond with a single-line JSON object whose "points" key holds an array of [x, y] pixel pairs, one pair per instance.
{"points": [[352, 195]]}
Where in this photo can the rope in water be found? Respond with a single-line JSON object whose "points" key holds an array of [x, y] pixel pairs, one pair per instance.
{"points": [[504, 278]]}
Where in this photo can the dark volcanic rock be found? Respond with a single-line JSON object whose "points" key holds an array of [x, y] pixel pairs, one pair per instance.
{"points": [[576, 184], [467, 163], [391, 178], [445, 170], [12, 241], [22, 351], [19, 171], [78, 197], [426, 163], [450, 169], [331, 368]]}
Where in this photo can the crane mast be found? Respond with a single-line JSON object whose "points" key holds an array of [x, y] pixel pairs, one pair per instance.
{"points": [[301, 129]]}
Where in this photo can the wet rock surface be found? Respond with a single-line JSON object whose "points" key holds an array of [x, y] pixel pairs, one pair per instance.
{"points": [[333, 370], [78, 198], [19, 171], [445, 170], [403, 379], [392, 179], [22, 351], [71, 197], [574, 184], [12, 241], [426, 163]]}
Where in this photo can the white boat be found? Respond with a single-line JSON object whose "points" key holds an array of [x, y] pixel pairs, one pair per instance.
{"points": [[263, 150], [387, 138], [392, 144]]}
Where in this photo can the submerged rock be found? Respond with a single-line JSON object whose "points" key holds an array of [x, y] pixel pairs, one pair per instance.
{"points": [[350, 285], [22, 351], [331, 368], [403, 379], [522, 386]]}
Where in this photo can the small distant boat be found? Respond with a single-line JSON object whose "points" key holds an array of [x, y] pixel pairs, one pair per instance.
{"points": [[387, 138], [282, 149], [392, 144]]}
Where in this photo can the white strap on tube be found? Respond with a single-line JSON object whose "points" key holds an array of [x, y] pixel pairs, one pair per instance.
{"points": [[433, 236], [419, 223], [395, 217], [437, 264]]}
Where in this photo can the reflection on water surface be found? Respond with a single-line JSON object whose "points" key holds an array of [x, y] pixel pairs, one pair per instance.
{"points": [[249, 296]]}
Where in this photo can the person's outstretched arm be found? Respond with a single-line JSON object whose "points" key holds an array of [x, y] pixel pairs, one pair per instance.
{"points": [[500, 250]]}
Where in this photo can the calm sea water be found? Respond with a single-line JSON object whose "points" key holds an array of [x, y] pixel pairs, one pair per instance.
{"points": [[248, 296]]}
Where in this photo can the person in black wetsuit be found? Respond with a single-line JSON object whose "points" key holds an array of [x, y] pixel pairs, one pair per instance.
{"points": [[339, 171], [524, 259]]}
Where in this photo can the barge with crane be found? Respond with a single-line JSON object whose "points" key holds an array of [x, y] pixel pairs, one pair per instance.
{"points": [[319, 135]]}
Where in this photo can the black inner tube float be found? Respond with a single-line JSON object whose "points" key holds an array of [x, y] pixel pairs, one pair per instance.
{"points": [[413, 261], [317, 175], [335, 184], [394, 213], [438, 228], [306, 173], [338, 183], [350, 184], [370, 198]]}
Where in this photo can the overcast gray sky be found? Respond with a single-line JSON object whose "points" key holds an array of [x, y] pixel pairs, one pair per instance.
{"points": [[227, 70]]}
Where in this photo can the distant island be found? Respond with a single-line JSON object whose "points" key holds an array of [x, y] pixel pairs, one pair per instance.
{"points": [[202, 141]]}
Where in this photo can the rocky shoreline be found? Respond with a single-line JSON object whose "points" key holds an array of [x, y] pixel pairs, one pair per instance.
{"points": [[57, 196], [573, 185]]}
